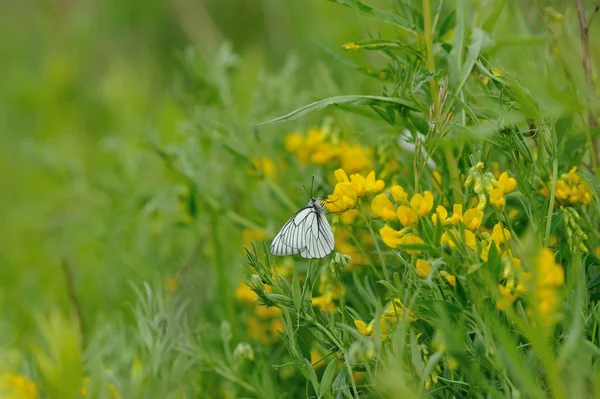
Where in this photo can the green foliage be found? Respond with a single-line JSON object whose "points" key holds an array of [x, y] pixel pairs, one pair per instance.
{"points": [[144, 178]]}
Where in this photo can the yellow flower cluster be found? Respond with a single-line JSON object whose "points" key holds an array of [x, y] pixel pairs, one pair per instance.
{"points": [[549, 277], [264, 324], [16, 386], [392, 313], [265, 167], [319, 147], [485, 185], [407, 213], [570, 189], [348, 190]]}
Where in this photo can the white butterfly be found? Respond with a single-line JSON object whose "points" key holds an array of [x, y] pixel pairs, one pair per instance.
{"points": [[307, 233]]}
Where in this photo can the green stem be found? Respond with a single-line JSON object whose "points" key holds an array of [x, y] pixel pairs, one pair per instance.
{"points": [[381, 259], [428, 32], [552, 197]]}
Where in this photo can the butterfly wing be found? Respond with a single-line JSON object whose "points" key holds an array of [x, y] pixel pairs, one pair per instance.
{"points": [[319, 237], [291, 239]]}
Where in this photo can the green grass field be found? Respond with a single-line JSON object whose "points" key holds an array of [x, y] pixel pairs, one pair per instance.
{"points": [[150, 151]]}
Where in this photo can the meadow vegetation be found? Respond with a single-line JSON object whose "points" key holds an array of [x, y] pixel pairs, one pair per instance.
{"points": [[455, 144]]}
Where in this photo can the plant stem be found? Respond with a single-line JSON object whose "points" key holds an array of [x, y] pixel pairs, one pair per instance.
{"points": [[552, 197], [428, 32], [381, 259]]}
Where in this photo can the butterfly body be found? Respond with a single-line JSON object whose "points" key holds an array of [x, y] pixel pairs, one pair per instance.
{"points": [[307, 234]]}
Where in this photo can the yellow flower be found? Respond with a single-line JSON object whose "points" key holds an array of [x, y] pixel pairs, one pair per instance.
{"points": [[472, 218], [362, 328], [507, 184], [399, 194], [422, 204], [16, 386], [497, 198], [451, 279], [324, 153], [392, 238], [372, 185], [354, 158], [343, 198], [293, 142], [423, 268], [457, 214], [549, 273], [395, 310], [383, 207], [266, 166], [341, 176], [507, 297], [244, 294], [451, 237], [441, 214], [500, 235], [412, 240], [349, 216], [324, 302], [407, 216]]}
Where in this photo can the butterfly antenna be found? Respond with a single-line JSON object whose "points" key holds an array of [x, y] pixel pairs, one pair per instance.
{"points": [[304, 187], [311, 185]]}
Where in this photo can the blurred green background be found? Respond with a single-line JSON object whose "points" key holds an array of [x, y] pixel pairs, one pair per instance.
{"points": [[98, 98], [90, 87]]}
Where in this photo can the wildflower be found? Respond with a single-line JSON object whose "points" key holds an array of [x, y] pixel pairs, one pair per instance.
{"points": [[395, 311], [407, 216], [441, 214], [451, 237], [362, 328], [392, 238], [451, 279], [372, 185], [349, 216], [354, 158], [17, 386], [325, 302], [507, 296], [500, 235], [571, 188], [383, 207], [457, 214], [266, 167], [343, 198], [351, 46], [411, 239], [422, 204], [472, 218], [423, 268], [244, 294], [399, 194], [293, 142]]}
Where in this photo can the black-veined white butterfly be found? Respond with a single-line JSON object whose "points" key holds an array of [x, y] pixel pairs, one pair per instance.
{"points": [[307, 234]]}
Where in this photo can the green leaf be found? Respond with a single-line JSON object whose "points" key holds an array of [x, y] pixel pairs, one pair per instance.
{"points": [[381, 44], [327, 378], [313, 375], [296, 292], [383, 16], [422, 76], [477, 38], [341, 100]]}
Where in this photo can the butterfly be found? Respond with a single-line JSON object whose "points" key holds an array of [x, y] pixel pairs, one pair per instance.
{"points": [[307, 234]]}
